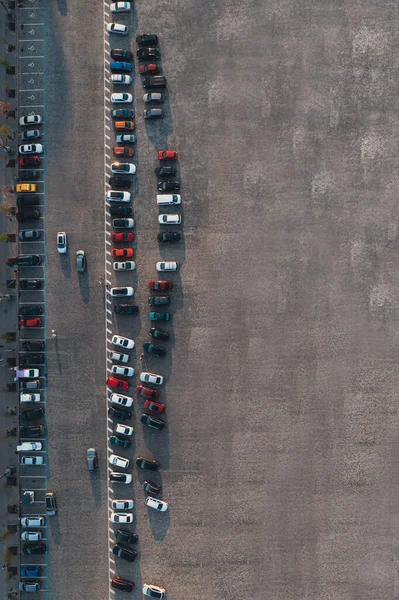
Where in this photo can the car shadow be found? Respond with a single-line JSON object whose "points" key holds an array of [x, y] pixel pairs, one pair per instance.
{"points": [[65, 264], [84, 285], [95, 483], [62, 7], [159, 523]]}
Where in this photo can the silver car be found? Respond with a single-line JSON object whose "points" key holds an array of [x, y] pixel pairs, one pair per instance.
{"points": [[91, 459]]}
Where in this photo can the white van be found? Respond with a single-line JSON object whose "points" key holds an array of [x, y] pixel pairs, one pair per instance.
{"points": [[29, 397], [168, 199], [29, 446]]}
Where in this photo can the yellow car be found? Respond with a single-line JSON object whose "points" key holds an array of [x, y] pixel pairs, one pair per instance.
{"points": [[25, 187]]}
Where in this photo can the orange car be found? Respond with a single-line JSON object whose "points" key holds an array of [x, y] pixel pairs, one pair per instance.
{"points": [[124, 125], [122, 252], [123, 151]]}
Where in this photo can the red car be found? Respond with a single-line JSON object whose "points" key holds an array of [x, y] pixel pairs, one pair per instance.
{"points": [[157, 286], [151, 68], [36, 322], [114, 382], [122, 252], [147, 392], [168, 155], [154, 406], [122, 237], [29, 161], [123, 151]]}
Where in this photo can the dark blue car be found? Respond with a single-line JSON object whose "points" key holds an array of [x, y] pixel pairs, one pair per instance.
{"points": [[30, 571], [120, 66]]}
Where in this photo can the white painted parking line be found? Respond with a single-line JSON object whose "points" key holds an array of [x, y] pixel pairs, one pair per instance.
{"points": [[22, 41], [33, 90], [33, 73], [32, 476], [28, 24], [32, 106], [20, 56]]}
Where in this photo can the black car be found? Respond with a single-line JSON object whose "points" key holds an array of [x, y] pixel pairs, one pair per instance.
{"points": [[148, 53], [120, 223], [151, 488], [33, 414], [124, 535], [165, 171], [31, 284], [32, 431], [119, 54], [168, 186], [123, 585], [147, 39], [28, 260], [121, 211], [118, 477], [158, 300], [31, 310], [155, 81], [27, 175], [29, 234], [126, 309], [159, 334], [124, 552], [28, 215], [115, 413], [147, 463], [117, 440], [123, 113], [31, 359], [153, 349], [28, 200], [34, 549], [120, 182], [151, 422], [168, 236], [31, 345]]}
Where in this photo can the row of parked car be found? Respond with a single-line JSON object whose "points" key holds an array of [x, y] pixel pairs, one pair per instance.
{"points": [[119, 198]]}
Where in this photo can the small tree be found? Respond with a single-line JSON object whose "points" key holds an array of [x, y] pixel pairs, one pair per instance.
{"points": [[8, 336], [6, 132], [7, 190], [4, 62], [3, 237], [4, 108], [6, 208]]}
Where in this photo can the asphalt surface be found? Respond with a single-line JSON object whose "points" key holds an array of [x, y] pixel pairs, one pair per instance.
{"points": [[279, 460]]}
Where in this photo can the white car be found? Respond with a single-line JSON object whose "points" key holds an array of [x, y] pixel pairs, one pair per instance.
{"points": [[126, 168], [117, 340], [31, 536], [121, 292], [118, 196], [121, 517], [122, 504], [124, 429], [121, 400], [146, 377], [156, 504], [120, 79], [119, 461], [124, 358], [32, 521], [30, 120], [169, 219], [62, 242], [32, 460], [125, 371], [154, 591], [121, 98], [167, 266], [128, 265], [31, 149], [117, 28], [27, 373], [29, 397], [120, 7], [29, 446]]}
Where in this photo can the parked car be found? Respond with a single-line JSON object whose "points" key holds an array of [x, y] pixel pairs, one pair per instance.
{"points": [[168, 236], [124, 358], [119, 400], [91, 456], [117, 28], [125, 139], [123, 552], [159, 334], [30, 134], [123, 223], [34, 549], [80, 261], [157, 97], [126, 309], [31, 571], [168, 186], [123, 236], [30, 120], [156, 316], [121, 211], [148, 54], [32, 345], [167, 266], [146, 392], [29, 161], [115, 440], [62, 242], [32, 415], [30, 149], [27, 215], [169, 219], [124, 371], [120, 7], [27, 201], [123, 415], [118, 196], [157, 504], [154, 349], [32, 460], [127, 125], [27, 175], [50, 503], [151, 422], [31, 431], [154, 591], [31, 536], [153, 378], [25, 187], [123, 168], [122, 253], [29, 447], [152, 488], [31, 284], [128, 265], [122, 113], [116, 383], [123, 151], [153, 81], [28, 235], [118, 340], [168, 155], [147, 39], [123, 585], [124, 429], [118, 461], [158, 300], [29, 586], [120, 79], [34, 384], [120, 182], [28, 260], [116, 477], [156, 407], [32, 322], [160, 286], [124, 535], [153, 113], [151, 68], [147, 463], [120, 66], [119, 54], [32, 521], [122, 292], [119, 505], [23, 397], [27, 373], [165, 171]]}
